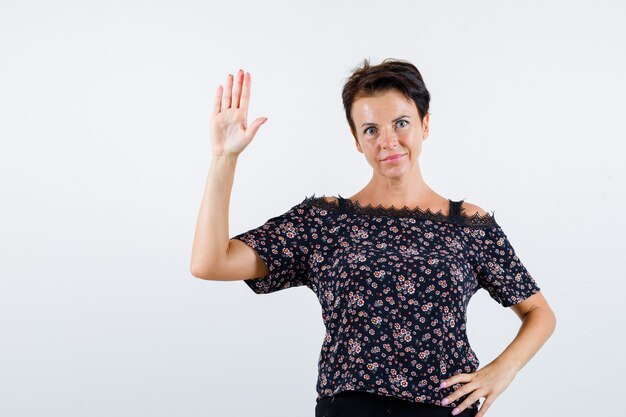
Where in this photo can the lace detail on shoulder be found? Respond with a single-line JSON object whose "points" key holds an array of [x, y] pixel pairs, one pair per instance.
{"points": [[321, 202], [477, 219], [344, 205]]}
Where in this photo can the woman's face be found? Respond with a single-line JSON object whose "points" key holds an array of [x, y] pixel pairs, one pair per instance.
{"points": [[388, 124]]}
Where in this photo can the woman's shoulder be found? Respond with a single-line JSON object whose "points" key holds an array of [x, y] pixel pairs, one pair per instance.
{"points": [[473, 215], [323, 200], [471, 209]]}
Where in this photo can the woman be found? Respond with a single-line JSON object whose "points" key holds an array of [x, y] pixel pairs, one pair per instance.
{"points": [[393, 266]]}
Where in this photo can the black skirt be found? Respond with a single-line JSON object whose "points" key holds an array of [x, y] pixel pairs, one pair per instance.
{"points": [[365, 404]]}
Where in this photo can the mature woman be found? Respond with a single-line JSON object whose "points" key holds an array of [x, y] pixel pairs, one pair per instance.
{"points": [[393, 266]]}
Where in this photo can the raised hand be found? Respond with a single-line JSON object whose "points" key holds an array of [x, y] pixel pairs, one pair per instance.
{"points": [[229, 130]]}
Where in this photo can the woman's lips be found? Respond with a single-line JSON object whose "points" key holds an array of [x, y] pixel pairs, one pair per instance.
{"points": [[393, 158]]}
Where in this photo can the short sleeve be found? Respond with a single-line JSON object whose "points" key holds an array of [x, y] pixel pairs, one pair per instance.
{"points": [[501, 272], [282, 242]]}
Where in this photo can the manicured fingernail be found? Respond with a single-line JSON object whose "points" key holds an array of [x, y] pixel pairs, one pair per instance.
{"points": [[455, 411], [445, 401], [443, 384]]}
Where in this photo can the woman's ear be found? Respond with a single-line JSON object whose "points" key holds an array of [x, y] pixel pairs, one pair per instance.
{"points": [[425, 128]]}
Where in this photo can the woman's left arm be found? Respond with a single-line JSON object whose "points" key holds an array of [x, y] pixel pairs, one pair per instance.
{"points": [[538, 324]]}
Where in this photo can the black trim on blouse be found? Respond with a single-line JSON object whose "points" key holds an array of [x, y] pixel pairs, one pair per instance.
{"points": [[456, 213]]}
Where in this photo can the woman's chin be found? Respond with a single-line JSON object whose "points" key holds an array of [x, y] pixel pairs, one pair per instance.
{"points": [[395, 171]]}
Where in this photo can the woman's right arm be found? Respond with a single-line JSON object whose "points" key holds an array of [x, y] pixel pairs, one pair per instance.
{"points": [[214, 256]]}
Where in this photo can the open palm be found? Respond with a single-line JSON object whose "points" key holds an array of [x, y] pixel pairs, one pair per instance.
{"points": [[229, 130]]}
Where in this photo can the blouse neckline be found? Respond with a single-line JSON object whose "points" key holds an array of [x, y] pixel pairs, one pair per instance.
{"points": [[456, 213]]}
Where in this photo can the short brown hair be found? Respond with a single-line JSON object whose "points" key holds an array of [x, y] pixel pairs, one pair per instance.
{"points": [[369, 80]]}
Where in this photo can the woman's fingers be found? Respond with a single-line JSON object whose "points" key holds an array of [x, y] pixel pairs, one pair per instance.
{"points": [[228, 91], [237, 90], [236, 93], [254, 127], [471, 399], [217, 101], [245, 95], [484, 407]]}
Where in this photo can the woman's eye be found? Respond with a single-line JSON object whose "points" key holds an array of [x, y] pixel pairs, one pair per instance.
{"points": [[367, 131]]}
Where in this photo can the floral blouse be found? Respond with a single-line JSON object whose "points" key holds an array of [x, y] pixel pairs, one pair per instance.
{"points": [[394, 285]]}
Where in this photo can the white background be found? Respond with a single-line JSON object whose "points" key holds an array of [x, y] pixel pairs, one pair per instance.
{"points": [[104, 110]]}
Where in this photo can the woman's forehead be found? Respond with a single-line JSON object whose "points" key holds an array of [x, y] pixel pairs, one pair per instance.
{"points": [[389, 104]]}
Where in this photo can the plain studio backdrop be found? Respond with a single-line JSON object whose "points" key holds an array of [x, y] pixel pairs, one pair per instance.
{"points": [[104, 111]]}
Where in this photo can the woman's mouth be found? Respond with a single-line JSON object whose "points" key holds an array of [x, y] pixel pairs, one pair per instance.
{"points": [[393, 158]]}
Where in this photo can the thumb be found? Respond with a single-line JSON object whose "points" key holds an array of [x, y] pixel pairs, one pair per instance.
{"points": [[254, 127]]}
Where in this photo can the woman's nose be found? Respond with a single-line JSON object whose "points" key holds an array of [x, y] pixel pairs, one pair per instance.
{"points": [[388, 138]]}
